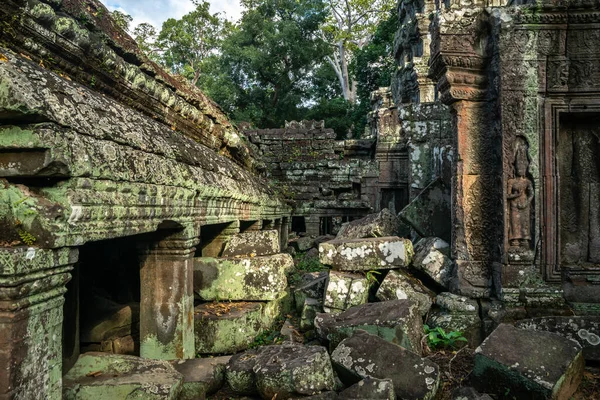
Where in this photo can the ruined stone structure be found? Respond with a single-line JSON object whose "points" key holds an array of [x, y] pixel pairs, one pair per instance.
{"points": [[114, 177]]}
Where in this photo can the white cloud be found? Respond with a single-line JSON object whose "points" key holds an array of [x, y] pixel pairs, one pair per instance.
{"points": [[156, 12]]}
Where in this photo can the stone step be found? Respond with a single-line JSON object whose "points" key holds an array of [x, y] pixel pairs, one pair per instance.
{"points": [[364, 355], [366, 254], [252, 243], [396, 321], [201, 376], [102, 376], [259, 278], [528, 364]]}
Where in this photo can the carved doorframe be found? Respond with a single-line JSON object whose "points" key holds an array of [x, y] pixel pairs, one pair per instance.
{"points": [[553, 108]]}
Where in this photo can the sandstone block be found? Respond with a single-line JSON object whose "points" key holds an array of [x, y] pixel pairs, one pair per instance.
{"points": [[396, 321], [364, 355], [310, 310], [249, 279], [370, 388], [432, 257], [457, 313], [303, 243], [201, 376], [259, 243], [382, 224], [366, 254], [400, 285], [101, 376], [528, 364], [312, 286], [345, 290]]}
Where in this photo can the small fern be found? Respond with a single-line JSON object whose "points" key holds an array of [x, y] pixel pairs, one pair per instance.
{"points": [[26, 237]]}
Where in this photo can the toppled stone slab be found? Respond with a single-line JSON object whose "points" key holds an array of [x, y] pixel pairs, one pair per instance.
{"points": [[396, 321], [257, 243], [287, 370], [309, 312], [528, 364], [583, 329], [382, 224], [303, 243], [312, 286], [400, 285], [345, 290], [366, 254], [370, 388], [364, 355], [108, 376], [432, 257], [247, 279], [456, 304], [201, 376]]}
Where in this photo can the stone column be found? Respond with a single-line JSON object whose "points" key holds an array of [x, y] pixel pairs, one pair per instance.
{"points": [[32, 288], [284, 232], [167, 297]]}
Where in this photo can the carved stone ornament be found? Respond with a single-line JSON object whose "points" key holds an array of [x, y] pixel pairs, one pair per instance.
{"points": [[520, 195]]}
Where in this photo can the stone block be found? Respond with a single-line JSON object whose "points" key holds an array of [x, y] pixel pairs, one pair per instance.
{"points": [[364, 355], [396, 321], [382, 224], [528, 364], [304, 243], [345, 290], [313, 286], [309, 311], [258, 243], [370, 388], [432, 258], [101, 376], [283, 371], [249, 279], [366, 254], [400, 285], [469, 393], [457, 313], [201, 376]]}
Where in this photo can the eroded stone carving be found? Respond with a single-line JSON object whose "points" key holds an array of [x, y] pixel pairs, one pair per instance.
{"points": [[520, 198]]}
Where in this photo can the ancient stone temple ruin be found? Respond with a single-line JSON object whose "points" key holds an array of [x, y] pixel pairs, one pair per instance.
{"points": [[136, 220]]}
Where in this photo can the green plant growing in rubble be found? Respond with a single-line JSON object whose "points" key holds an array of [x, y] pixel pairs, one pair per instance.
{"points": [[439, 338]]}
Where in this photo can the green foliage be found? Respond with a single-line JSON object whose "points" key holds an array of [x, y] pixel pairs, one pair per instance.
{"points": [[270, 336], [26, 237], [304, 264], [121, 19], [438, 338], [372, 276]]}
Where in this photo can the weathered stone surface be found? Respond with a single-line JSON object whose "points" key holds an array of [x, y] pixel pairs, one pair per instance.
{"points": [[98, 376], [583, 329], [303, 243], [469, 393], [201, 376], [400, 285], [396, 321], [528, 364], [370, 388], [286, 371], [251, 279], [309, 312], [107, 319], [252, 243], [345, 290], [366, 254], [432, 257], [313, 286], [364, 355], [382, 224], [456, 304]]}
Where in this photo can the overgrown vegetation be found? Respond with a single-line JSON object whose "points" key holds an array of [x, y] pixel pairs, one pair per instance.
{"points": [[438, 338], [304, 264]]}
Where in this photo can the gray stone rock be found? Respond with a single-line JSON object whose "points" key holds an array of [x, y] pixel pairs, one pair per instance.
{"points": [[364, 355], [396, 321], [321, 396], [312, 286], [110, 376], [239, 372], [583, 329], [303, 243], [370, 388], [309, 312], [345, 290], [258, 243], [456, 304], [312, 253], [290, 250], [201, 376], [400, 285], [366, 254], [457, 313], [432, 257], [528, 364], [469, 393], [382, 224]]}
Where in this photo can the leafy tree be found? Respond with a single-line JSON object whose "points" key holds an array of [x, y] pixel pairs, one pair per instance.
{"points": [[349, 28], [121, 19], [145, 35]]}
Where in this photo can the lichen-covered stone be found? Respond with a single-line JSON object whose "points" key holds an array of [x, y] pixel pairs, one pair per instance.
{"points": [[310, 310], [370, 388], [457, 313], [528, 364], [396, 321], [303, 243], [312, 285], [400, 285], [345, 290], [101, 376], [250, 279], [364, 355], [456, 304], [201, 376], [432, 257], [239, 372], [252, 243], [366, 254], [382, 224]]}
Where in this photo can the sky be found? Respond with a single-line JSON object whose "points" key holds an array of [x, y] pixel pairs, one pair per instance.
{"points": [[156, 12]]}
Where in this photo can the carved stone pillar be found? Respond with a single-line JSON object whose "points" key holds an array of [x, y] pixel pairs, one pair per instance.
{"points": [[32, 288], [284, 232], [167, 297]]}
